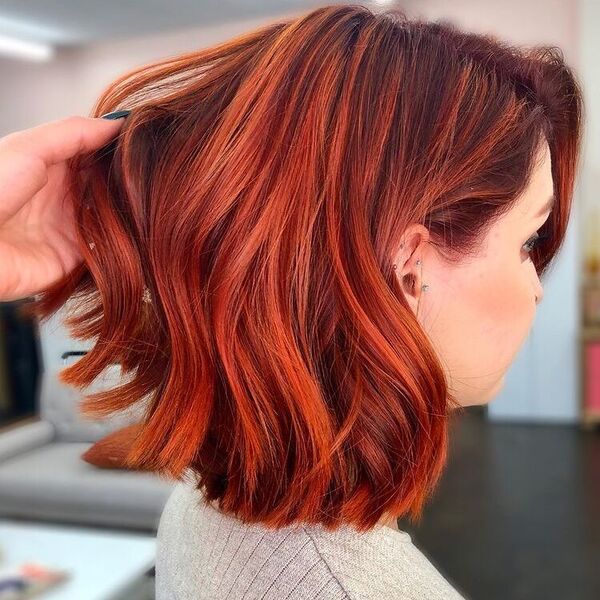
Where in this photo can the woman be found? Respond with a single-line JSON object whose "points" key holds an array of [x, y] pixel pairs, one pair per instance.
{"points": [[309, 245]]}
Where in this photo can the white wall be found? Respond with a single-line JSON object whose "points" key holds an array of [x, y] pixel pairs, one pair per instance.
{"points": [[35, 92], [590, 70]]}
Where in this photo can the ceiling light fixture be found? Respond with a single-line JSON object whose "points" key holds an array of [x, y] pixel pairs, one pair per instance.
{"points": [[18, 48]]}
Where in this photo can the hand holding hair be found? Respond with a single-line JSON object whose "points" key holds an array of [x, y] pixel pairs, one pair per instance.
{"points": [[37, 240]]}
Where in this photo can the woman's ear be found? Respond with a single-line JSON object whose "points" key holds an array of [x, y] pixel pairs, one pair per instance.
{"points": [[409, 264]]}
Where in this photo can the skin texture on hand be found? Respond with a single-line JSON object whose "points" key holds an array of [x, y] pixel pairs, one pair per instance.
{"points": [[37, 241]]}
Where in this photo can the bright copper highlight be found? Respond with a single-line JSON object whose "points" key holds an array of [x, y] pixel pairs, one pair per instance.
{"points": [[259, 189]]}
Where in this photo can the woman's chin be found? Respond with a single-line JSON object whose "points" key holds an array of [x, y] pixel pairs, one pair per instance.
{"points": [[491, 394], [495, 389], [484, 397]]}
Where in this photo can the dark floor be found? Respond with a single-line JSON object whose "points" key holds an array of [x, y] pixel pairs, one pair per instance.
{"points": [[517, 513]]}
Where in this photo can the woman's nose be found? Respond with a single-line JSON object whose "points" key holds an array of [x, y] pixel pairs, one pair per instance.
{"points": [[539, 293]]}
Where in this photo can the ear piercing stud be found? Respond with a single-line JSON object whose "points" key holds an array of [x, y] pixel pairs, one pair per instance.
{"points": [[425, 286]]}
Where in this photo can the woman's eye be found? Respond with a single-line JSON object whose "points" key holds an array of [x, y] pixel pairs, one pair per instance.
{"points": [[533, 241]]}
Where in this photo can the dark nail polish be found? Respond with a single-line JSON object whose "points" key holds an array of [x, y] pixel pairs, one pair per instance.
{"points": [[117, 114]]}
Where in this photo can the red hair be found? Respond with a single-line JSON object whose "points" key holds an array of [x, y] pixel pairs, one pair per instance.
{"points": [[258, 190]]}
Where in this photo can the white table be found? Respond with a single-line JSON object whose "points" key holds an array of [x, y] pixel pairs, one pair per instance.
{"points": [[104, 564]]}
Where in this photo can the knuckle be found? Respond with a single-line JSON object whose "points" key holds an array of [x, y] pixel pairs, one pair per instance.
{"points": [[74, 119]]}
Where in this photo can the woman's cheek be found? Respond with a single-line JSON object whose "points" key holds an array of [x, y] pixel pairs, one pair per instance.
{"points": [[515, 315]]}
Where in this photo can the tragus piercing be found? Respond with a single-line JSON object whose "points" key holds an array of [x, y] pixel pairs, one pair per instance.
{"points": [[425, 286], [418, 262]]}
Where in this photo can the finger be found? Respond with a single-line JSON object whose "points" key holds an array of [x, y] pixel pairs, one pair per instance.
{"points": [[61, 139]]}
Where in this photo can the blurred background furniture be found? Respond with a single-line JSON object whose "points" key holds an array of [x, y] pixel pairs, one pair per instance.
{"points": [[101, 564], [42, 474]]}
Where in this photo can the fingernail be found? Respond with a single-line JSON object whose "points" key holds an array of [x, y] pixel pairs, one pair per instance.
{"points": [[117, 114]]}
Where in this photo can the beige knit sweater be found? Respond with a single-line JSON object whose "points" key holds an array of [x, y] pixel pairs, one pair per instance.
{"points": [[205, 554]]}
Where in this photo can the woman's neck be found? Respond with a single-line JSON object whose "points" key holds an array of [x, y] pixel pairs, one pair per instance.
{"points": [[391, 522]]}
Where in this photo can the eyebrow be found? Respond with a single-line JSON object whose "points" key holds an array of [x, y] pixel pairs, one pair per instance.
{"points": [[547, 207]]}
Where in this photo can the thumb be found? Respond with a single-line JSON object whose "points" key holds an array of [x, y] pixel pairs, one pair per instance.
{"points": [[56, 141]]}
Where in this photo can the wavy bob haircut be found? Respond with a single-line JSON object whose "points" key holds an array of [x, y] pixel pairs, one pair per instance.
{"points": [[256, 196]]}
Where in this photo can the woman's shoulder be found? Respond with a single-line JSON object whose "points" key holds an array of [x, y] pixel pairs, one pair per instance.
{"points": [[204, 553], [380, 563]]}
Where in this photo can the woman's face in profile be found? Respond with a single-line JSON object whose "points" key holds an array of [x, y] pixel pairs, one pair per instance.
{"points": [[478, 313]]}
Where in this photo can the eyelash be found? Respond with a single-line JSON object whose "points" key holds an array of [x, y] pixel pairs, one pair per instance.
{"points": [[534, 240]]}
